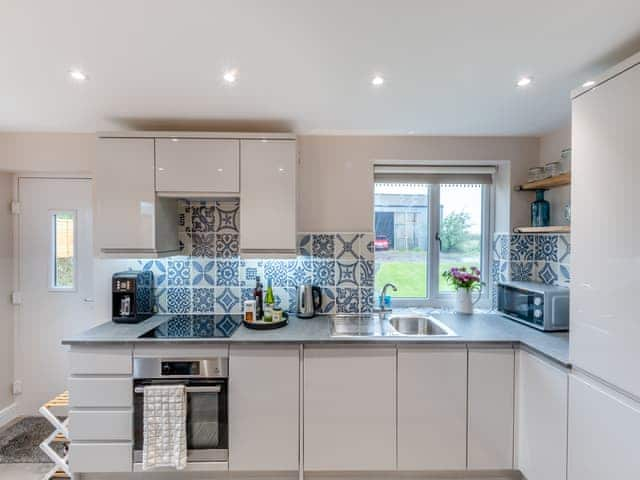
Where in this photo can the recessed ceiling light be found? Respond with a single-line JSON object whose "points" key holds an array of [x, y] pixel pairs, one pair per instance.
{"points": [[377, 81], [220, 170], [78, 75], [588, 83], [524, 81], [230, 76], [175, 139]]}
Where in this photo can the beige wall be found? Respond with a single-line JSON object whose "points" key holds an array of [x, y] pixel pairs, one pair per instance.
{"points": [[6, 286], [550, 147], [336, 175], [46, 152]]}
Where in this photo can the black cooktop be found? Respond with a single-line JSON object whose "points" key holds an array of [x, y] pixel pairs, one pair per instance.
{"points": [[196, 326]]}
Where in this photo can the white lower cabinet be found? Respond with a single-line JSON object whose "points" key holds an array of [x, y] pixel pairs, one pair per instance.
{"points": [[100, 457], [349, 408], [101, 425], [541, 423], [264, 398], [491, 409], [603, 432], [432, 408]]}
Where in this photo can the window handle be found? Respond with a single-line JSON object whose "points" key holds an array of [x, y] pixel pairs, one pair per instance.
{"points": [[439, 240]]}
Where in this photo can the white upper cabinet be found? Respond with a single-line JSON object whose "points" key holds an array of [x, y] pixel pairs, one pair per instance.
{"points": [[603, 432], [542, 419], [129, 219], [605, 229], [192, 165], [268, 196], [349, 408], [264, 399], [491, 409], [432, 408]]}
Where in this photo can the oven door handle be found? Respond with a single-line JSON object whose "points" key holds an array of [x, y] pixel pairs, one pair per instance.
{"points": [[212, 389]]}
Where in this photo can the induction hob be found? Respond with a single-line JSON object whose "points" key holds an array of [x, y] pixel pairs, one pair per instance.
{"points": [[196, 326]]}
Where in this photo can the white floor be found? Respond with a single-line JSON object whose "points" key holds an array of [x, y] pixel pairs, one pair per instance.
{"points": [[23, 471]]}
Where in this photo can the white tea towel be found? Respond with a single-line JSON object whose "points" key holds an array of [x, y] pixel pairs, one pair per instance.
{"points": [[165, 427]]}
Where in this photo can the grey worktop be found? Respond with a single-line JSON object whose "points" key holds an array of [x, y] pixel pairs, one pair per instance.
{"points": [[480, 329]]}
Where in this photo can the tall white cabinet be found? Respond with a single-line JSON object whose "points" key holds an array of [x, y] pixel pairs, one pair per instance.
{"points": [[268, 196]]}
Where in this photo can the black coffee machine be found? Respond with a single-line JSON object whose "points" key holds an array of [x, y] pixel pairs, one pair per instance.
{"points": [[132, 296]]}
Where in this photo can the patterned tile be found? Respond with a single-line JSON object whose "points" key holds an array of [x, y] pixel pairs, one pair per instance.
{"points": [[227, 245], [249, 270], [328, 300], [366, 300], [522, 271], [179, 300], [564, 249], [227, 272], [347, 246], [367, 247], [324, 272], [292, 299], [179, 326], [366, 273], [278, 272], [565, 275], [547, 248], [304, 244], [184, 216], [203, 272], [203, 327], [347, 300], [227, 324], [546, 272], [246, 294], [179, 272], [203, 300], [347, 273], [203, 218], [281, 298], [159, 270], [228, 300], [301, 272], [501, 246], [522, 248], [203, 245], [160, 296], [323, 245], [185, 243], [227, 217]]}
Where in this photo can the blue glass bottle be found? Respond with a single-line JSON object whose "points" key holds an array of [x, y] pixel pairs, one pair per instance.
{"points": [[540, 211]]}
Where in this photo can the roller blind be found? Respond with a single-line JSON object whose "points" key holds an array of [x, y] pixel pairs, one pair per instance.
{"points": [[464, 175]]}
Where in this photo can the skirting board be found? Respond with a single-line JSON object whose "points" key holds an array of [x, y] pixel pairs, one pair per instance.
{"points": [[475, 475], [7, 414]]}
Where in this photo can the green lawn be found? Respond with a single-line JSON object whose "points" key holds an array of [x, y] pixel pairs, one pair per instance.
{"points": [[410, 278]]}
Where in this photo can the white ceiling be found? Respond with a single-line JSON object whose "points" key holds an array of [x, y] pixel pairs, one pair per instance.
{"points": [[305, 65]]}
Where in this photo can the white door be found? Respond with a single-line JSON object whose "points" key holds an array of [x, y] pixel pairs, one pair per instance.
{"points": [[56, 282]]}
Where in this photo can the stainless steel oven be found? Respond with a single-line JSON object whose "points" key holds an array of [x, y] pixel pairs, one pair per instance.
{"points": [[545, 307], [206, 382]]}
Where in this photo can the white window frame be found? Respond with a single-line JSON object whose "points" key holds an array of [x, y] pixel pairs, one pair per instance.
{"points": [[52, 252], [446, 300]]}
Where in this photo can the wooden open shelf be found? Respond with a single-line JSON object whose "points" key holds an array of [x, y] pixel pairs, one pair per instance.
{"points": [[553, 229], [551, 182]]}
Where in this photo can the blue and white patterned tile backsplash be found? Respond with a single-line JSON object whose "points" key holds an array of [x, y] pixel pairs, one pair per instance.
{"points": [[540, 258], [210, 277]]}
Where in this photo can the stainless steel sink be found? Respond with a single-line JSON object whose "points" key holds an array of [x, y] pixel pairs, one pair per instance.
{"points": [[375, 325], [419, 326]]}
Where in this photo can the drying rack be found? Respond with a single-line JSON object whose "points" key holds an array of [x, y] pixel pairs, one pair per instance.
{"points": [[60, 434]]}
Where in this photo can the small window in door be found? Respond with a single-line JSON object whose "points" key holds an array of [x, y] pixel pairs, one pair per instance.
{"points": [[63, 251]]}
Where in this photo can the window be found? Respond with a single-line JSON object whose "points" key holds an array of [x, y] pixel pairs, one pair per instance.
{"points": [[63, 251], [426, 223]]}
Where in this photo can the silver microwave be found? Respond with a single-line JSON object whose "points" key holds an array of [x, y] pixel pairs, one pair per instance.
{"points": [[545, 307]]}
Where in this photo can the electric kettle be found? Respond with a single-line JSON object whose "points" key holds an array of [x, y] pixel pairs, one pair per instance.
{"points": [[309, 300]]}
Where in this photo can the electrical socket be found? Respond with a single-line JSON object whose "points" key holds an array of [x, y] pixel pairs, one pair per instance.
{"points": [[17, 387]]}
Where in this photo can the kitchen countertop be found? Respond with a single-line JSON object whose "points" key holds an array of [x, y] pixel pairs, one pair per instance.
{"points": [[480, 328]]}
